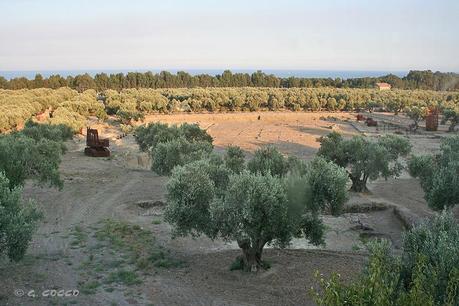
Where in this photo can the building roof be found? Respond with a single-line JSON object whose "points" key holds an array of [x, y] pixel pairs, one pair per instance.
{"points": [[383, 85]]}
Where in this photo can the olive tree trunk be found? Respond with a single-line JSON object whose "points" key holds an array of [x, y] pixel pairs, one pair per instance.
{"points": [[251, 255], [359, 184]]}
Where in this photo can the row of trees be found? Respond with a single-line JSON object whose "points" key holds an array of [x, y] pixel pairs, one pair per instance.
{"points": [[61, 106], [34, 153], [67, 106], [102, 81]]}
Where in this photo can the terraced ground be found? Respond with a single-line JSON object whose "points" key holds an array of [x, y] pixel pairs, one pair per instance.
{"points": [[104, 233]]}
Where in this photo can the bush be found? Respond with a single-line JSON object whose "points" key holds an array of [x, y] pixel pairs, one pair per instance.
{"points": [[22, 157], [451, 114], [167, 155], [439, 174], [268, 160], [427, 272], [69, 118], [18, 221], [327, 183], [149, 136], [38, 131], [234, 159]]}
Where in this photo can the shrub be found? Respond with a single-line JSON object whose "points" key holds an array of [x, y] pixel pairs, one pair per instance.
{"points": [[18, 221], [193, 133], [38, 131], [167, 155], [22, 157], [451, 114], [69, 118], [268, 160], [439, 174], [416, 113], [234, 159], [327, 183], [427, 272], [149, 136], [366, 159]]}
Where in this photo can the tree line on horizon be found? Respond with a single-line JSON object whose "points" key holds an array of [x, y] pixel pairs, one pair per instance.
{"points": [[415, 79]]}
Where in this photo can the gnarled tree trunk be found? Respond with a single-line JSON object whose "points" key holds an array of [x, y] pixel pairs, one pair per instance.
{"points": [[251, 255], [359, 184]]}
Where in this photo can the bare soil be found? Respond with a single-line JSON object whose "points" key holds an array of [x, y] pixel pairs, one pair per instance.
{"points": [[112, 188]]}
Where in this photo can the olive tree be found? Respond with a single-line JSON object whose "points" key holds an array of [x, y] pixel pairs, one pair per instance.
{"points": [[166, 155], [451, 114], [18, 220], [438, 174], [364, 158], [150, 135], [253, 209], [268, 160], [234, 159], [417, 114], [22, 157]]}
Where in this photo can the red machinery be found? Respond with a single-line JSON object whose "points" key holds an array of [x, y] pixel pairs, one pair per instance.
{"points": [[96, 147]]}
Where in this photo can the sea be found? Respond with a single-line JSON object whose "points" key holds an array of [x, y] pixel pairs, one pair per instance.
{"points": [[343, 74]]}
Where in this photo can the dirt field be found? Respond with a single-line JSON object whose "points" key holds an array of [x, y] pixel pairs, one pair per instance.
{"points": [[66, 252]]}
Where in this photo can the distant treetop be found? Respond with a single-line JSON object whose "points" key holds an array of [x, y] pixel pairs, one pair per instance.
{"points": [[415, 79]]}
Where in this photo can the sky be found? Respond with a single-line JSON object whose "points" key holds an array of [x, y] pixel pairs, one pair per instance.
{"points": [[222, 34]]}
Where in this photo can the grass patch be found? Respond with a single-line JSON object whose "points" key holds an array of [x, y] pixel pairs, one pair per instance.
{"points": [[156, 221], [137, 245], [127, 278], [79, 237], [90, 287]]}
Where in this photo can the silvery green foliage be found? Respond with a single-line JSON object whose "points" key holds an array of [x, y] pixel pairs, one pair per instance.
{"points": [[149, 136], [18, 221], [190, 191], [364, 158], [22, 157], [254, 209], [268, 160], [437, 241], [426, 273], [327, 182], [166, 155], [234, 159], [439, 174]]}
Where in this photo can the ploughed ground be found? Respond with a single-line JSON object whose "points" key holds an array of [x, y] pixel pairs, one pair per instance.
{"points": [[104, 233]]}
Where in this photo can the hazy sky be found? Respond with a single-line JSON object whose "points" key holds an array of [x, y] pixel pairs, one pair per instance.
{"points": [[179, 34]]}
